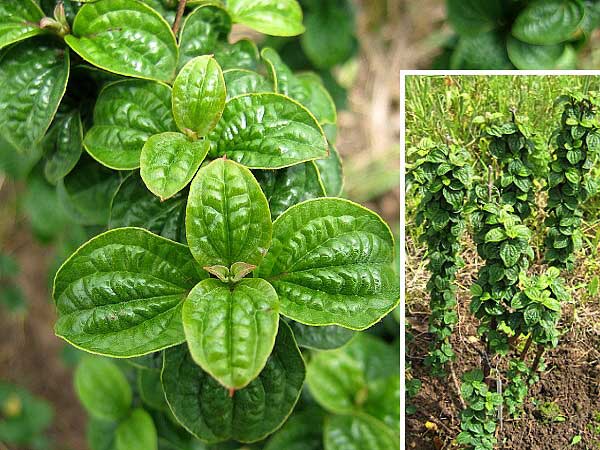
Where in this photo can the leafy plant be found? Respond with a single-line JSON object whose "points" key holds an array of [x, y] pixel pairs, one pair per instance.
{"points": [[223, 229], [532, 34]]}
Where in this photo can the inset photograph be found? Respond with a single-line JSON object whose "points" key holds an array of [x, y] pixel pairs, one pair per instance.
{"points": [[502, 265]]}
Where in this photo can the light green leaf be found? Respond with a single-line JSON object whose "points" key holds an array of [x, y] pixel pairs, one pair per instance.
{"points": [[64, 146], [383, 401], [87, 190], [203, 30], [199, 96], [358, 432], [302, 431], [547, 22], [289, 186], [244, 81], [126, 114], [136, 432], [125, 37], [121, 293], [134, 206], [267, 131], [530, 57], [251, 413], [274, 17], [30, 93], [227, 217], [19, 20], [169, 161], [320, 338], [331, 264], [331, 173], [231, 330], [102, 388]]}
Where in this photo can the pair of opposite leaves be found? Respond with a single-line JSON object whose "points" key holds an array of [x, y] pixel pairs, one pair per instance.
{"points": [[129, 292]]}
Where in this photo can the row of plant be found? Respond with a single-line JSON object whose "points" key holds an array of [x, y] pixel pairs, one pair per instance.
{"points": [[517, 310], [213, 167]]}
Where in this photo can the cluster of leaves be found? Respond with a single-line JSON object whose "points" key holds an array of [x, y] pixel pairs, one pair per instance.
{"points": [[478, 420], [233, 164], [569, 182], [519, 376], [526, 34], [23, 418], [443, 175]]}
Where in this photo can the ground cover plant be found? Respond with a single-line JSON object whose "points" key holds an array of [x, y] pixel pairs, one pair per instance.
{"points": [[530, 34], [219, 246], [522, 256]]}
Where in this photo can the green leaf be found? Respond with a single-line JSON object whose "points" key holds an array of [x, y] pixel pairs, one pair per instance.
{"points": [[509, 253], [64, 147], [331, 172], [330, 263], [303, 431], [547, 22], [482, 51], [358, 432], [267, 131], [134, 206], [150, 389], [203, 30], [320, 338], [495, 235], [199, 96], [18, 21], [241, 55], [121, 293], [528, 56], [126, 114], [125, 37], [30, 93], [251, 413], [279, 72], [227, 216], [169, 161], [231, 329], [273, 17], [289, 186], [100, 434], [383, 401], [474, 16], [87, 190], [102, 388], [310, 92], [137, 431], [244, 81]]}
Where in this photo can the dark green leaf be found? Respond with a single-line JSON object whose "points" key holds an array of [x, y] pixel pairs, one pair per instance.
{"points": [[320, 338], [531, 57], [331, 172], [303, 431], [474, 16], [64, 147], [244, 81], [547, 22], [483, 51]]}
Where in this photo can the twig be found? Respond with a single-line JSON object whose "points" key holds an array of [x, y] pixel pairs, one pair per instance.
{"points": [[457, 386], [180, 11], [526, 348]]}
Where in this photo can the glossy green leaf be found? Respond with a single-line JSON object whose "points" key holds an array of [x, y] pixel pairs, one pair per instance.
{"points": [[330, 263], [227, 216], [241, 55], [203, 30], [125, 37], [121, 293], [281, 75], [137, 431], [547, 22], [19, 20], [274, 17], [169, 161], [126, 114], [470, 17], [320, 338], [102, 388], [231, 330], [199, 96], [289, 186], [302, 431], [166, 9], [331, 173], [30, 93], [358, 432], [64, 146], [207, 410], [309, 91], [150, 389], [267, 131], [87, 190], [244, 81], [531, 57], [134, 206]]}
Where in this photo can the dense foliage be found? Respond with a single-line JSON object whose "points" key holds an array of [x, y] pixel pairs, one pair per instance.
{"points": [[203, 171]]}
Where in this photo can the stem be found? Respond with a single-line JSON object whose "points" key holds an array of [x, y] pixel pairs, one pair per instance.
{"points": [[526, 348], [180, 11], [490, 182], [538, 357]]}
